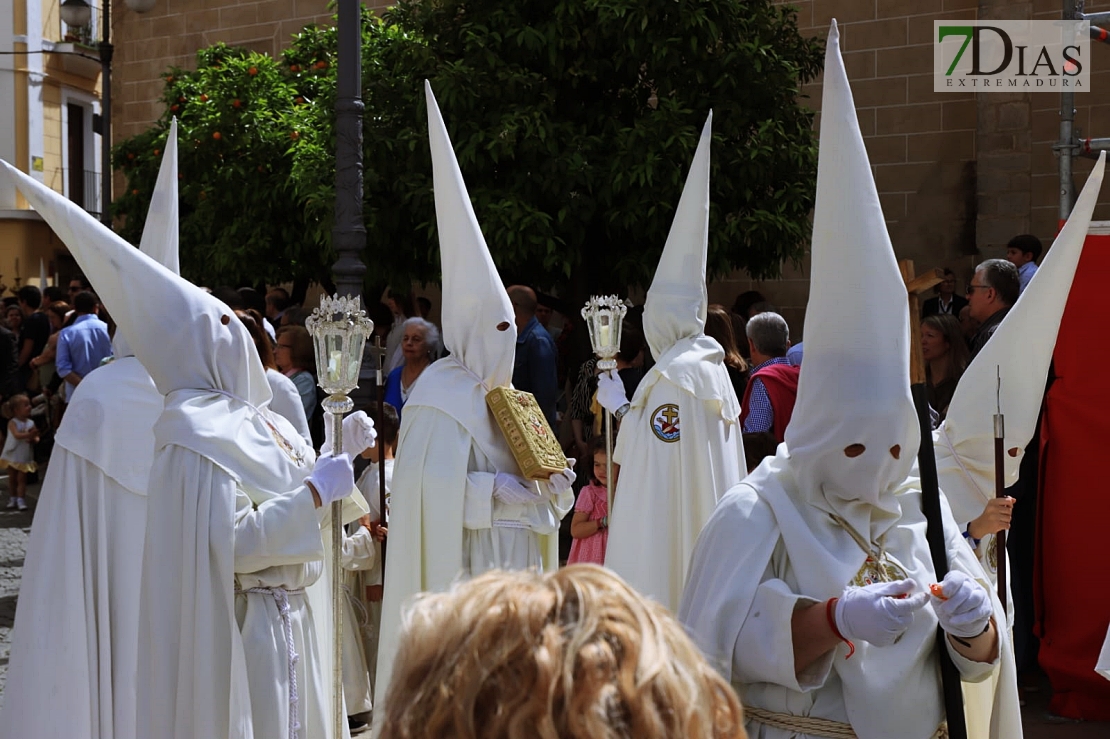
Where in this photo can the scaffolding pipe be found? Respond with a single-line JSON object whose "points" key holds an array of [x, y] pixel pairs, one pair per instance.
{"points": [[1066, 145], [1103, 17]]}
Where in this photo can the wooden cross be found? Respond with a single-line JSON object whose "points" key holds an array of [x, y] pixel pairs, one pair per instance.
{"points": [[914, 287]]}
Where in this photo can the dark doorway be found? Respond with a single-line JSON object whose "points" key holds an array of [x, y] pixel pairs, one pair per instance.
{"points": [[75, 143]]}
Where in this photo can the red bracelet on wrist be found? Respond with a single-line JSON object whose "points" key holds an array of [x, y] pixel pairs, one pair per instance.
{"points": [[829, 606]]}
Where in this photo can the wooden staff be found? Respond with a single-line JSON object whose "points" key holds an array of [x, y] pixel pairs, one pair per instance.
{"points": [[381, 451], [1000, 490], [930, 490]]}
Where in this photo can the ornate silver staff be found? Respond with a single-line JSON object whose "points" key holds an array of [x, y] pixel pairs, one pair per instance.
{"points": [[339, 329], [604, 316]]}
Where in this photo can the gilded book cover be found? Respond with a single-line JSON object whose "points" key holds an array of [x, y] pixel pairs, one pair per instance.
{"points": [[534, 444]]}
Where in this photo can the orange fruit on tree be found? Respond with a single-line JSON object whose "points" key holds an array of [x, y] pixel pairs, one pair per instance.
{"points": [[135, 191], [321, 64], [203, 98], [295, 135], [174, 108], [157, 152], [252, 71], [235, 103], [130, 155], [298, 100], [217, 136], [294, 68]]}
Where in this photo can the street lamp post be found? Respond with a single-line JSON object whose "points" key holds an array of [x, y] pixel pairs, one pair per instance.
{"points": [[78, 13], [348, 232]]}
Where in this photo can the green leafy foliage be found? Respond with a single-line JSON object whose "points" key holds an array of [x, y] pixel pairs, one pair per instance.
{"points": [[574, 123]]}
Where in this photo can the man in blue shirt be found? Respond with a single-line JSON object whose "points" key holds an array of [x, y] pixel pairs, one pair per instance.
{"points": [[536, 367], [83, 345], [1023, 252]]}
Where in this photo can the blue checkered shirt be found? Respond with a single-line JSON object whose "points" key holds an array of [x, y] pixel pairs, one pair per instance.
{"points": [[761, 416]]}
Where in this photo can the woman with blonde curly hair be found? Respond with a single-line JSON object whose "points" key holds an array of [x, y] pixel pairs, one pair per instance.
{"points": [[574, 654]]}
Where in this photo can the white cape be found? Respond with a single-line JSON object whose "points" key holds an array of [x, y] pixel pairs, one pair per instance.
{"points": [[669, 483], [74, 644]]}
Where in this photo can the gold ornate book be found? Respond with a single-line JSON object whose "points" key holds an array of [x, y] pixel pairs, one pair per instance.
{"points": [[534, 444]]}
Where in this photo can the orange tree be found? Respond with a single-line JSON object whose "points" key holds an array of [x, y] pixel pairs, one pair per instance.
{"points": [[574, 123], [239, 132]]}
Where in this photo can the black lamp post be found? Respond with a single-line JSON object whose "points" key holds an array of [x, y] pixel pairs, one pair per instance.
{"points": [[78, 13], [348, 232]]}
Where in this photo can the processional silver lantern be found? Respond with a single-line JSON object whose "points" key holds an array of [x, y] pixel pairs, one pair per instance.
{"points": [[339, 329], [604, 317]]}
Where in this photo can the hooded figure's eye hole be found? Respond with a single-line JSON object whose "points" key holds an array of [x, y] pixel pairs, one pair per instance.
{"points": [[503, 326], [1014, 452], [854, 450], [896, 451], [225, 319]]}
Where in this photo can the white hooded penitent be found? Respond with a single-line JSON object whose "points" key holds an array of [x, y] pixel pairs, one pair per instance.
{"points": [[682, 428], [79, 606], [453, 448], [1019, 353], [827, 512], [225, 466]]}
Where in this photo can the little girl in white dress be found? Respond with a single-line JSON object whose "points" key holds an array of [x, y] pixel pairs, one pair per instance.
{"points": [[18, 454]]}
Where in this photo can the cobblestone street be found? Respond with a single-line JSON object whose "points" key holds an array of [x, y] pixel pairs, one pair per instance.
{"points": [[15, 528]]}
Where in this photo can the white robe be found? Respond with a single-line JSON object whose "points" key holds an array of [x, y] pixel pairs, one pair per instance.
{"points": [[443, 526], [667, 490], [368, 577], [1103, 665], [758, 560], [358, 551], [74, 642]]}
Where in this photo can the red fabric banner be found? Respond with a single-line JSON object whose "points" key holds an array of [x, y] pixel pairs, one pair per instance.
{"points": [[1072, 576]]}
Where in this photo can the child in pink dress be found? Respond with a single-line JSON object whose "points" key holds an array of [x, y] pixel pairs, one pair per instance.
{"points": [[590, 525]]}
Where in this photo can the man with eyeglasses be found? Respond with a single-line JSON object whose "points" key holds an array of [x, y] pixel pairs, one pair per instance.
{"points": [[992, 291]]}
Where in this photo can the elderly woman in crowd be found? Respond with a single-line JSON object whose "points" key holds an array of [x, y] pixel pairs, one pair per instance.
{"points": [[420, 346], [295, 357], [574, 653]]}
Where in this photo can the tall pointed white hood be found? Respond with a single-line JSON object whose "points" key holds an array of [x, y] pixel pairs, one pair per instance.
{"points": [[677, 301], [160, 232], [854, 387], [475, 303], [1019, 352], [160, 240]]}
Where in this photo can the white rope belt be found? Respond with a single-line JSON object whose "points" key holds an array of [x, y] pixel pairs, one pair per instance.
{"points": [[814, 726], [362, 614], [281, 598]]}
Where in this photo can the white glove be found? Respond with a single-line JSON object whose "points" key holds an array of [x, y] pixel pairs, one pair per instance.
{"points": [[333, 478], [878, 613], [560, 482], [610, 392], [358, 433], [511, 489], [966, 608]]}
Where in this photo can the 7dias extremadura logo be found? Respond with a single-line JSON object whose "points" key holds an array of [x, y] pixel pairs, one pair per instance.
{"points": [[1011, 56]]}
